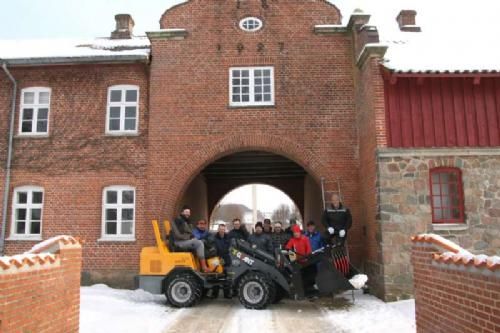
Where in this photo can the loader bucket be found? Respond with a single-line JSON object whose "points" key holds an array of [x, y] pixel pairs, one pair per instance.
{"points": [[329, 280]]}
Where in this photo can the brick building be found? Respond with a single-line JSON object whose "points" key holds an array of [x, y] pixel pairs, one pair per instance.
{"points": [[111, 133]]}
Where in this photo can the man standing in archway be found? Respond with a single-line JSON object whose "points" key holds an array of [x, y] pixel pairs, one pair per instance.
{"points": [[336, 218]]}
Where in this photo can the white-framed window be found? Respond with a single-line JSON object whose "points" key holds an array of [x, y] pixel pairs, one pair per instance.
{"points": [[118, 213], [27, 211], [251, 86], [35, 108], [251, 24], [122, 115]]}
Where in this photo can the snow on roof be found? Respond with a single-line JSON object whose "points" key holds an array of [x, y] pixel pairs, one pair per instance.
{"points": [[419, 53], [67, 50], [446, 43]]}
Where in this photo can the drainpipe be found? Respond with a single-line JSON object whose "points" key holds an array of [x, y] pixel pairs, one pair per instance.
{"points": [[9, 159]]}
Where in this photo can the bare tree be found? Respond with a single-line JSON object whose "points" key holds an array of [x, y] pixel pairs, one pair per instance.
{"points": [[282, 213]]}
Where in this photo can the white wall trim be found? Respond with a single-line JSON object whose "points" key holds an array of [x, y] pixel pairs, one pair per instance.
{"points": [[437, 152]]}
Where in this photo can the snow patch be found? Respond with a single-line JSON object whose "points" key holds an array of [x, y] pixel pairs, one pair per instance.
{"points": [[358, 281], [368, 314], [105, 310], [46, 243]]}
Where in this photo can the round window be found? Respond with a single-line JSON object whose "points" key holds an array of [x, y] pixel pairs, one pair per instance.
{"points": [[250, 24]]}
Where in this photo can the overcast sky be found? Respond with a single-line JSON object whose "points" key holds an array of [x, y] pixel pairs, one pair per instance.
{"points": [[268, 198], [34, 19]]}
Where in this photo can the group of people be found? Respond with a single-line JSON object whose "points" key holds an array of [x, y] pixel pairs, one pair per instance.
{"points": [[336, 221]]}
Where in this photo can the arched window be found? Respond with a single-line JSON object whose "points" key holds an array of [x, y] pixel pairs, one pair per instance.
{"points": [[34, 115], [447, 198], [118, 213], [123, 110], [27, 211]]}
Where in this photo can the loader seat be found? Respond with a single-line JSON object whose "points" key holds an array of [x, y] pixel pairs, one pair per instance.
{"points": [[171, 244], [169, 237]]}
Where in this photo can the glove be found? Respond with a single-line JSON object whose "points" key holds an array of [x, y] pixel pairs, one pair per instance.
{"points": [[342, 233], [292, 256], [331, 230]]}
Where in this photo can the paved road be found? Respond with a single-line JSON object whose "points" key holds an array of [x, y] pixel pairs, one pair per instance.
{"points": [[228, 316]]}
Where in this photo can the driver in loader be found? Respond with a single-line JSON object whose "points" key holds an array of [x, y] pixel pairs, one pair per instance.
{"points": [[183, 237]]}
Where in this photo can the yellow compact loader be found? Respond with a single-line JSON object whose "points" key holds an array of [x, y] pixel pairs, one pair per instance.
{"points": [[256, 277], [158, 262]]}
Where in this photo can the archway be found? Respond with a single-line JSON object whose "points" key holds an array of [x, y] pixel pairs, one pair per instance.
{"points": [[221, 176], [255, 202]]}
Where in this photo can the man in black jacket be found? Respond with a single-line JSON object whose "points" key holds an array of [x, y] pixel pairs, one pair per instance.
{"points": [[337, 219], [222, 243], [239, 231], [182, 234], [260, 240]]}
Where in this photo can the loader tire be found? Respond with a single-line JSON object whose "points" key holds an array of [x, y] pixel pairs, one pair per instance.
{"points": [[255, 291], [183, 290]]}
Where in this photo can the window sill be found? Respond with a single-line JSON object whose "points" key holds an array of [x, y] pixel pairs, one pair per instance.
{"points": [[450, 226], [120, 134], [32, 136], [115, 240], [25, 238], [252, 106]]}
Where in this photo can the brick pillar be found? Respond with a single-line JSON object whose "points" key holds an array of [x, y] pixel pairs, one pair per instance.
{"points": [[40, 290]]}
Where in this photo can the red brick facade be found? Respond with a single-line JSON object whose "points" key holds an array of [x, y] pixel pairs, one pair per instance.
{"points": [[329, 117], [186, 121], [454, 296], [40, 292]]}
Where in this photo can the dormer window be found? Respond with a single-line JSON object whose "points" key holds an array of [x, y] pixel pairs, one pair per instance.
{"points": [[251, 24]]}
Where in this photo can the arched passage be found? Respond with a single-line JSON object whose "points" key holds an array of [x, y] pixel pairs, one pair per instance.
{"points": [[247, 167], [190, 167], [269, 201]]}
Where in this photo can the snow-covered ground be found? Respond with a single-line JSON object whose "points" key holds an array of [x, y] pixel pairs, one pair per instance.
{"points": [[109, 310], [106, 310], [369, 314]]}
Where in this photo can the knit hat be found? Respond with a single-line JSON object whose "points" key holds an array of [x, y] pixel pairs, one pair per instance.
{"points": [[259, 224], [295, 228]]}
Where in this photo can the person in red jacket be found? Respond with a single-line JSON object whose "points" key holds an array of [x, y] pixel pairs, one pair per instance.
{"points": [[299, 243]]}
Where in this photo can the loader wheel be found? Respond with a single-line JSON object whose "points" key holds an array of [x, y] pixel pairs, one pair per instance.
{"points": [[255, 291], [183, 290]]}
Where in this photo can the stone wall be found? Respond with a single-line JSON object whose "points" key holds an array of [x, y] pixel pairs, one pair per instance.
{"points": [[405, 209]]}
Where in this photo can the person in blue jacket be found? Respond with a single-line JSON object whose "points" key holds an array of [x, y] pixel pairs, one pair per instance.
{"points": [[314, 236], [200, 231]]}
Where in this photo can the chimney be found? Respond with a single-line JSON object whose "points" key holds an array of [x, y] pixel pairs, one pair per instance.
{"points": [[407, 22], [124, 27]]}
